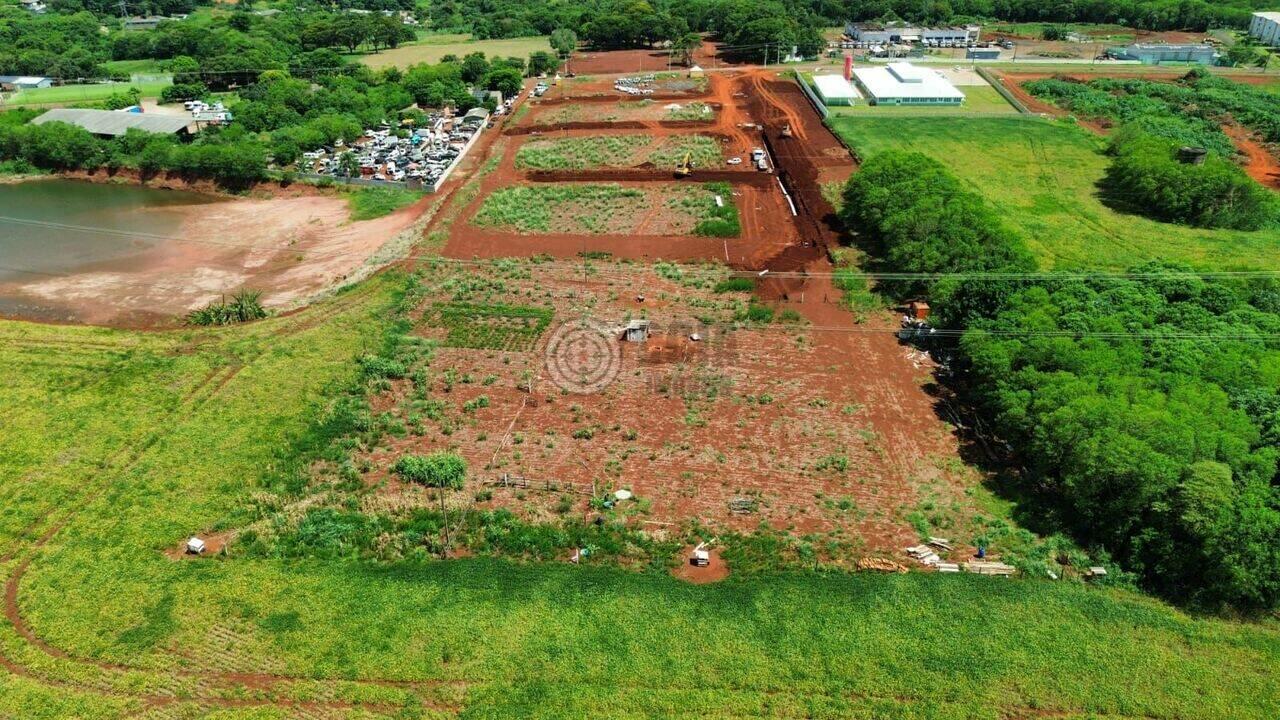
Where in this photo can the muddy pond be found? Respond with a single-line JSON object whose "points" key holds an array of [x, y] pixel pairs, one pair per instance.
{"points": [[129, 255]]}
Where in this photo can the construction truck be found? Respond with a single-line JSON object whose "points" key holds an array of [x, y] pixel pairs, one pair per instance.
{"points": [[786, 131], [685, 168]]}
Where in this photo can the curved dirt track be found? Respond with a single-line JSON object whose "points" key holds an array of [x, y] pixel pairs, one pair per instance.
{"points": [[218, 689]]}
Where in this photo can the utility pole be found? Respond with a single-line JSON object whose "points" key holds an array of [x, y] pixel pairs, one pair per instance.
{"points": [[445, 514]]}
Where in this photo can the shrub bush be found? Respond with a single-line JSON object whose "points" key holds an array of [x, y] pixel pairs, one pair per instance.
{"points": [[440, 469]]}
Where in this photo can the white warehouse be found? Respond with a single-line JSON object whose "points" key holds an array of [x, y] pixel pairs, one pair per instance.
{"points": [[835, 90], [1265, 27], [902, 83]]}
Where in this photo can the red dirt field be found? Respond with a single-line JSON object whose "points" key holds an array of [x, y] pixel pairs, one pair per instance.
{"points": [[764, 213], [701, 436], [821, 429], [622, 62], [1262, 164]]}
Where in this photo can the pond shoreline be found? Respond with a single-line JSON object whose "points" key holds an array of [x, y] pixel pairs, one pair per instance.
{"points": [[294, 244]]}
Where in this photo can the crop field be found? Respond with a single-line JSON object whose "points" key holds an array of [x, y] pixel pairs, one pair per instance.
{"points": [[625, 111], [492, 327], [602, 209], [1042, 175], [577, 153], [431, 48], [152, 436]]}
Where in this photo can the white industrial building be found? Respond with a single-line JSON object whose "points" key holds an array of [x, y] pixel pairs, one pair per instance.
{"points": [[1265, 27], [900, 33], [835, 90], [24, 82], [901, 83]]}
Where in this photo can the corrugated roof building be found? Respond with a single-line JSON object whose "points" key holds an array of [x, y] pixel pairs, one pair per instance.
{"points": [[112, 123], [1265, 27], [24, 82]]}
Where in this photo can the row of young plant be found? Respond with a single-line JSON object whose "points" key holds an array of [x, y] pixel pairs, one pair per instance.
{"points": [[329, 464], [1141, 410]]}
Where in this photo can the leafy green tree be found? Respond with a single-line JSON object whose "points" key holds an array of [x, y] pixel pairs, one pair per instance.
{"points": [[440, 469], [541, 62], [564, 41], [506, 80], [474, 67]]}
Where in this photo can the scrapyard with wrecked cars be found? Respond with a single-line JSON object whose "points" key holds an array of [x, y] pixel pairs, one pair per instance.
{"points": [[424, 153]]}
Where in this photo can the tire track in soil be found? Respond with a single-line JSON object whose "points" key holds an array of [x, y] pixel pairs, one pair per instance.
{"points": [[196, 398], [900, 411]]}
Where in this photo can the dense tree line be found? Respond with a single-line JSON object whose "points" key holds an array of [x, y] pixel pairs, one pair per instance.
{"points": [[925, 221], [277, 118], [1158, 117], [665, 19], [58, 45], [231, 158], [1143, 412], [1147, 176]]}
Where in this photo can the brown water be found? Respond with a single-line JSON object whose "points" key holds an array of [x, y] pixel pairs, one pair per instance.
{"points": [[51, 228]]}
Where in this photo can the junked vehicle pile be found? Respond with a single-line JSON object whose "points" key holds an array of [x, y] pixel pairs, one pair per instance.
{"points": [[423, 154]]}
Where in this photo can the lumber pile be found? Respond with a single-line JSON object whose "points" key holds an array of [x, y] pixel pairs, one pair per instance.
{"points": [[924, 554], [880, 564], [989, 568]]}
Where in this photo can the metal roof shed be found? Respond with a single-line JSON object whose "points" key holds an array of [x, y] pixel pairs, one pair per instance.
{"points": [[835, 90], [111, 123]]}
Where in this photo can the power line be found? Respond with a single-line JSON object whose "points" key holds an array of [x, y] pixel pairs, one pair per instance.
{"points": [[764, 274]]}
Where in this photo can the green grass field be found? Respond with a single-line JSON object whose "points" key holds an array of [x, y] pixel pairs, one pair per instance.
{"points": [[978, 100], [119, 444], [146, 67], [1041, 175], [67, 94], [374, 202], [432, 48], [1110, 33]]}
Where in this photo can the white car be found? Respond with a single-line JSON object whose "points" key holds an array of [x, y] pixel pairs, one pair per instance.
{"points": [[734, 161]]}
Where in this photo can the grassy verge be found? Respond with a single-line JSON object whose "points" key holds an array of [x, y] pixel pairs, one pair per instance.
{"points": [[1042, 176], [82, 93], [370, 203], [978, 100]]}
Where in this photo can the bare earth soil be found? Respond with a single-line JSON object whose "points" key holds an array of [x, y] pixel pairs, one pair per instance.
{"points": [[825, 428], [290, 248]]}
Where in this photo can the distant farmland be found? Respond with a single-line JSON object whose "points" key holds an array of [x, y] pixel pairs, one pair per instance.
{"points": [[433, 48]]}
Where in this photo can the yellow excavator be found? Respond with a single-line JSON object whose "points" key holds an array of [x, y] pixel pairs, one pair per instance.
{"points": [[685, 168]]}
